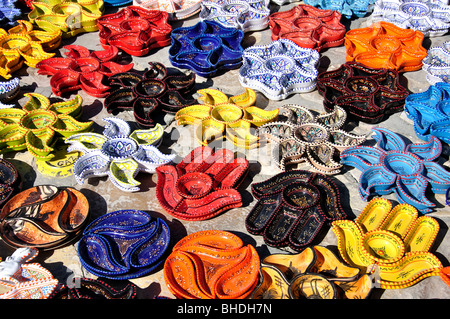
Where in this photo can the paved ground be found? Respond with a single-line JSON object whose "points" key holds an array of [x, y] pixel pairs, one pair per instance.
{"points": [[104, 197]]}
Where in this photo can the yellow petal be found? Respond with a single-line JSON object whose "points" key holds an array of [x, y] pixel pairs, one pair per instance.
{"points": [[68, 126], [36, 101], [239, 133], [212, 96], [258, 116], [70, 107], [208, 131], [245, 99], [192, 114]]}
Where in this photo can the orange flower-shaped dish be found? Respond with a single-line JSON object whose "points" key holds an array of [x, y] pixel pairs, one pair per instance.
{"points": [[384, 45]]}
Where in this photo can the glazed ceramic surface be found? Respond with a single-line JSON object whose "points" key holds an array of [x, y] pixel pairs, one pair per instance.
{"points": [[9, 12], [221, 117], [135, 30], [123, 244], [206, 48], [202, 185], [367, 94], [8, 90], [39, 124], [150, 93], [293, 207], [384, 45], [347, 8], [393, 166], [82, 69], [308, 27], [437, 63], [177, 9], [279, 69], [118, 153], [309, 138], [10, 181]]}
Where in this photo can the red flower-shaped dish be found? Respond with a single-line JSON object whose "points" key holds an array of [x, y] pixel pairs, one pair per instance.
{"points": [[82, 69], [308, 27], [202, 185], [135, 30]]}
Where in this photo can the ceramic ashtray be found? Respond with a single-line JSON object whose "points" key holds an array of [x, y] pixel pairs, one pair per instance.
{"points": [[367, 94], [221, 117], [82, 69], [308, 27], [392, 166], [246, 15], [347, 8], [135, 30], [118, 153], [177, 10], [10, 181], [279, 69], [211, 264], [45, 217], [206, 48], [437, 63], [123, 244], [309, 138], [150, 93], [40, 124], [202, 185], [293, 207], [8, 90]]}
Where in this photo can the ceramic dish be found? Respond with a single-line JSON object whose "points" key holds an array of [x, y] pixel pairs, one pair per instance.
{"points": [[177, 10], [8, 91], [347, 8], [437, 63], [10, 181], [9, 12]]}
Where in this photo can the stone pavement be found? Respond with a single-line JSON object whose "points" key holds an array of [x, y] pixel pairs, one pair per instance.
{"points": [[104, 197]]}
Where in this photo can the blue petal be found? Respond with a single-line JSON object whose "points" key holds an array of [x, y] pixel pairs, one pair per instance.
{"points": [[376, 179], [361, 157], [411, 190], [428, 151], [388, 140], [437, 176]]}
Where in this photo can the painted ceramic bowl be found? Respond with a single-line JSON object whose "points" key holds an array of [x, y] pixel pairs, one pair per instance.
{"points": [[279, 69], [437, 63], [347, 8], [9, 12], [10, 181], [124, 244], [8, 90], [177, 10]]}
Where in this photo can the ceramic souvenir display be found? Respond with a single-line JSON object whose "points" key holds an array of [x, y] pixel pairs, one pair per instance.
{"points": [[135, 30], [8, 90], [347, 8], [308, 27], [150, 93], [202, 185], [293, 207], [71, 17], [392, 166], [315, 273], [432, 18], [118, 153], [211, 264], [177, 9], [221, 117], [430, 111], [393, 238], [367, 94], [437, 63], [44, 217], [279, 69], [384, 45], [309, 138], [9, 12], [206, 48], [39, 124], [10, 181], [82, 69], [123, 244], [246, 15], [20, 279]]}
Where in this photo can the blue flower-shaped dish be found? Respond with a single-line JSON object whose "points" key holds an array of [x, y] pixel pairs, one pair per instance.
{"points": [[206, 48], [279, 69], [9, 12], [118, 3], [8, 90], [437, 63], [124, 244], [347, 8], [394, 167]]}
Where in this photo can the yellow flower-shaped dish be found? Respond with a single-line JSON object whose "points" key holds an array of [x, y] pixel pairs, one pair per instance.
{"points": [[221, 117]]}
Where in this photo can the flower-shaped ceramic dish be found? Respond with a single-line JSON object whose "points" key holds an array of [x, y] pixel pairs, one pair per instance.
{"points": [[437, 63], [177, 9], [293, 207], [10, 181], [40, 124], [8, 91], [72, 17], [315, 273], [279, 69], [202, 185], [395, 239], [306, 137], [366, 94], [118, 153], [392, 166], [221, 117], [245, 15], [206, 48], [430, 111], [45, 217], [429, 17], [384, 45], [135, 30], [20, 279], [9, 12], [211, 264], [347, 8], [150, 93], [82, 69], [123, 244], [308, 27]]}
